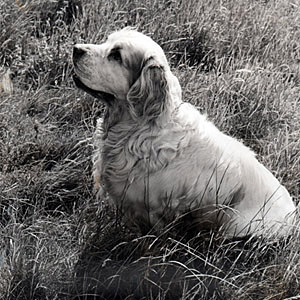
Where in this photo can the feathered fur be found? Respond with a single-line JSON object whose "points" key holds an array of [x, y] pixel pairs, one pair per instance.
{"points": [[158, 158]]}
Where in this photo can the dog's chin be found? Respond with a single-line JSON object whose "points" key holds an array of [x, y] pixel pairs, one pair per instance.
{"points": [[105, 97]]}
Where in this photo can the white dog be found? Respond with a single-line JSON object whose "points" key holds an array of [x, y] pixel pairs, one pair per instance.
{"points": [[159, 158]]}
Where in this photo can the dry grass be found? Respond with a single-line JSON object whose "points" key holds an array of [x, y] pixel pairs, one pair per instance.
{"points": [[238, 62]]}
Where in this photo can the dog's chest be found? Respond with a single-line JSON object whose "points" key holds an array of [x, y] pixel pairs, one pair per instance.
{"points": [[129, 160]]}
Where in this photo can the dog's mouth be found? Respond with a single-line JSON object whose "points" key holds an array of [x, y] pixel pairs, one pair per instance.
{"points": [[106, 97]]}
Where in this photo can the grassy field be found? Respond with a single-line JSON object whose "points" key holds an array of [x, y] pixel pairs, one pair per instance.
{"points": [[237, 61]]}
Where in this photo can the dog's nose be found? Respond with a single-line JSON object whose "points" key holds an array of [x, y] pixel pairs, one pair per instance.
{"points": [[78, 52]]}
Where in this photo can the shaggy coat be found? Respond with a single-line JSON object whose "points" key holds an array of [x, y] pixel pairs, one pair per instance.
{"points": [[158, 158]]}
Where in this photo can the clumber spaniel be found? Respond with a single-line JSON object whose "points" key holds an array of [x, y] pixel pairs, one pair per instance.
{"points": [[158, 158]]}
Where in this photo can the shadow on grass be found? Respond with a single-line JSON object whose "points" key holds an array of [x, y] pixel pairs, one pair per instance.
{"points": [[120, 265]]}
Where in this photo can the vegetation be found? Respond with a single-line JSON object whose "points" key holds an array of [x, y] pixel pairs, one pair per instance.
{"points": [[237, 61]]}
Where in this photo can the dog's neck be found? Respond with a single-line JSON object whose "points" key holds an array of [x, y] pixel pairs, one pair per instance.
{"points": [[114, 114]]}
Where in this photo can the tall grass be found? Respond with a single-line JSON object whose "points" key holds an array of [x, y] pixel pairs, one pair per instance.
{"points": [[237, 61]]}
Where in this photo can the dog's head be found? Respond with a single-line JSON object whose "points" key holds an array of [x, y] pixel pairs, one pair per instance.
{"points": [[131, 68]]}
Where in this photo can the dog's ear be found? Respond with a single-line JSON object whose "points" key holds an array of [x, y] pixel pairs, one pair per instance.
{"points": [[147, 96]]}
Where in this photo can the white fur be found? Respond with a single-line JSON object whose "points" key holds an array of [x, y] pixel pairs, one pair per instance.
{"points": [[158, 157]]}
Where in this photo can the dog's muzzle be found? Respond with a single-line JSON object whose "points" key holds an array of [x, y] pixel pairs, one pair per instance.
{"points": [[78, 54]]}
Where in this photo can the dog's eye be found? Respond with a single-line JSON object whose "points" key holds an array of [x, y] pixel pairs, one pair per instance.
{"points": [[115, 54]]}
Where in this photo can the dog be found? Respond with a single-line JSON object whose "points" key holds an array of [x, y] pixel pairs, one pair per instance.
{"points": [[158, 158]]}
